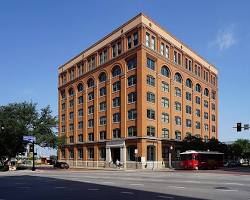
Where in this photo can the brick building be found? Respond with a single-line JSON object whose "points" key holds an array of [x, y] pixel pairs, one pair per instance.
{"points": [[138, 90]]}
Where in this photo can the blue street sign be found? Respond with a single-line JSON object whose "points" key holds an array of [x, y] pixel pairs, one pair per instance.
{"points": [[29, 138]]}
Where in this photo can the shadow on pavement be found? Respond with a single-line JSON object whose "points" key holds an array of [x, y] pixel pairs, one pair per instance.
{"points": [[43, 188]]}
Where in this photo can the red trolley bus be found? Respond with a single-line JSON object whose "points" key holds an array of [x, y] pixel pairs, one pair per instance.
{"points": [[201, 159]]}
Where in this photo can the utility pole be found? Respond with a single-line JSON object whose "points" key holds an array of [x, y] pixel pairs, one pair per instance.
{"points": [[33, 167]]}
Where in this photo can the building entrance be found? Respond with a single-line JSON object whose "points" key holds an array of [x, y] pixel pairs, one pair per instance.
{"points": [[115, 154]]}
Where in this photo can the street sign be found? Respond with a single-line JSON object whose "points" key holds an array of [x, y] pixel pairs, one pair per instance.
{"points": [[246, 126], [29, 138]]}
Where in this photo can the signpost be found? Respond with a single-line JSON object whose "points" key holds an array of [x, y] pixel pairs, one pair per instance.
{"points": [[31, 139]]}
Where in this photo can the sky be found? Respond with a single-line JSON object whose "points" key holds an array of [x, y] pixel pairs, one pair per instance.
{"points": [[38, 36]]}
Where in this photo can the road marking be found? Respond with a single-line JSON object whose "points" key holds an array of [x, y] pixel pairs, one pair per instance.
{"points": [[225, 190], [25, 187], [88, 181], [93, 189], [60, 187], [19, 183], [127, 192], [191, 181], [136, 184], [107, 182], [233, 183], [177, 187], [165, 197]]}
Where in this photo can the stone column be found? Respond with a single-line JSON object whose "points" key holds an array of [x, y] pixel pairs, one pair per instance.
{"points": [[108, 154], [123, 155]]}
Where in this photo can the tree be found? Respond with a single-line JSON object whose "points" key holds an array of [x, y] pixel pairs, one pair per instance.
{"points": [[241, 148], [193, 143], [19, 119]]}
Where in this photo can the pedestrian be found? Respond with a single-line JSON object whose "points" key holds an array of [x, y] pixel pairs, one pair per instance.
{"points": [[117, 163]]}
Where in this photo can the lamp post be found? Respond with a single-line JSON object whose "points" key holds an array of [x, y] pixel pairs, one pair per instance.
{"points": [[170, 156]]}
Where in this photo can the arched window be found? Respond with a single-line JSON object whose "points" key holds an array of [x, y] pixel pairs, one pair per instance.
{"points": [[198, 87], [178, 78], [71, 92], [165, 71], [102, 77], [116, 71], [91, 82], [189, 83], [206, 92], [80, 87]]}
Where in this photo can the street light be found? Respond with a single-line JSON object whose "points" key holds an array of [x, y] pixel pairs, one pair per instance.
{"points": [[169, 156]]}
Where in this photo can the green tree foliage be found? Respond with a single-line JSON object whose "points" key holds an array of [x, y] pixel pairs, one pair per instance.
{"points": [[19, 119], [241, 148]]}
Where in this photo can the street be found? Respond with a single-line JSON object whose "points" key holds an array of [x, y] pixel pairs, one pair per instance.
{"points": [[114, 185]]}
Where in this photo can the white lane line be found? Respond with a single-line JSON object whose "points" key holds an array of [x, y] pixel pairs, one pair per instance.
{"points": [[106, 182], [225, 190], [93, 189], [25, 187], [136, 184], [233, 184], [60, 187], [165, 197], [127, 192], [177, 187], [191, 181]]}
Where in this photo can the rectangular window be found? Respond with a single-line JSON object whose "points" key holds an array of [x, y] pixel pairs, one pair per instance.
{"points": [[162, 49], [147, 39], [151, 97], [90, 123], [131, 64], [80, 112], [102, 106], [91, 96], [188, 123], [198, 100], [165, 102], [188, 96], [164, 86], [129, 42], [80, 100], [131, 80], [91, 110], [116, 117], [90, 153], [102, 91], [188, 109], [102, 153], [135, 36], [165, 118], [150, 64], [103, 120], [151, 131], [80, 138], [71, 139], [71, 116], [198, 112], [150, 114], [197, 125], [153, 42], [116, 86], [165, 133], [91, 136], [102, 135], [116, 102], [80, 154], [150, 80], [177, 120], [80, 125]]}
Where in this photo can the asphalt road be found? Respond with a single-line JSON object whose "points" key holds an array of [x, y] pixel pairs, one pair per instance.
{"points": [[123, 185]]}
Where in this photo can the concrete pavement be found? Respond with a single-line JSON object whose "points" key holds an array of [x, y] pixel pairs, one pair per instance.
{"points": [[119, 185]]}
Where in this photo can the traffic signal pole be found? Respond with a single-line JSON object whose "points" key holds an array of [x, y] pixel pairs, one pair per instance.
{"points": [[33, 167], [239, 127]]}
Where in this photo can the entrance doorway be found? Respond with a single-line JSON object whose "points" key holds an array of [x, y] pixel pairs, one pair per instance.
{"points": [[115, 154]]}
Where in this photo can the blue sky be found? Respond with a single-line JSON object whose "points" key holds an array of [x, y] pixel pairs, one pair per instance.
{"points": [[38, 36]]}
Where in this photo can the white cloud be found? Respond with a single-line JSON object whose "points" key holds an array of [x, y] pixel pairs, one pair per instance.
{"points": [[225, 38]]}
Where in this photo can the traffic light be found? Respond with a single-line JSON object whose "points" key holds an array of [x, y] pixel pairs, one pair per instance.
{"points": [[238, 127]]}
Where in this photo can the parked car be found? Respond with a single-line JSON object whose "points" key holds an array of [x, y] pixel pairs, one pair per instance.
{"points": [[231, 164], [61, 165]]}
